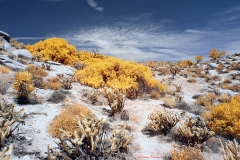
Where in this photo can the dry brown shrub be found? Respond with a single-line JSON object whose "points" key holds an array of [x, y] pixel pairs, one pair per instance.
{"points": [[66, 119], [237, 66], [16, 44], [192, 80], [223, 98], [155, 95], [168, 102], [4, 69], [204, 102], [227, 81], [187, 153], [220, 66], [216, 77], [36, 71], [234, 87], [52, 83]]}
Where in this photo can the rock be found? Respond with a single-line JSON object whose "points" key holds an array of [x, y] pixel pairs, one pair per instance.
{"points": [[13, 65], [5, 45], [5, 36], [22, 53], [213, 65]]}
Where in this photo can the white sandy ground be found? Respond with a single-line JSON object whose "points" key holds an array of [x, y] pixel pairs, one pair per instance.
{"points": [[142, 147]]}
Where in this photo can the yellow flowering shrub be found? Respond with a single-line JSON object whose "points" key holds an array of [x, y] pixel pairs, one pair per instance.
{"points": [[224, 118], [114, 72], [55, 49], [214, 54]]}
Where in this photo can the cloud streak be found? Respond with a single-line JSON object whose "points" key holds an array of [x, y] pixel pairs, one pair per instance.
{"points": [[93, 4]]}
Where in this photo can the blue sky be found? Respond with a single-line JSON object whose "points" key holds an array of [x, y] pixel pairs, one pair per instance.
{"points": [[165, 30]]}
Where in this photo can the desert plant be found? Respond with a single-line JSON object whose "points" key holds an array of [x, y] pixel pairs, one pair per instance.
{"points": [[16, 44], [224, 98], [52, 83], [220, 66], [155, 94], [199, 58], [67, 84], [23, 86], [187, 153], [224, 118], [93, 96], [89, 141], [194, 132], [231, 150], [115, 99], [214, 54], [4, 83], [58, 96], [168, 102], [187, 63], [36, 71], [162, 122], [8, 117], [192, 80], [5, 154], [66, 119], [4, 69], [56, 49]]}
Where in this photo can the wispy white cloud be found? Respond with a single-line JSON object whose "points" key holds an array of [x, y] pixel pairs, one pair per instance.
{"points": [[93, 4]]}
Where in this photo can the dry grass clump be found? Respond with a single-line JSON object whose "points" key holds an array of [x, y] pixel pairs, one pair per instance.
{"points": [[227, 81], [52, 83], [207, 100], [4, 69], [234, 87], [237, 66], [199, 58], [220, 66], [16, 44], [224, 98], [187, 153], [4, 84], [216, 77], [66, 119], [155, 95], [36, 71], [168, 102], [214, 54], [192, 80]]}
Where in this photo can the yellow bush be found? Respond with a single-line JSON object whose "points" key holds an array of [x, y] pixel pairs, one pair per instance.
{"points": [[214, 54], [224, 118], [56, 49], [114, 72], [198, 58], [186, 63], [23, 84]]}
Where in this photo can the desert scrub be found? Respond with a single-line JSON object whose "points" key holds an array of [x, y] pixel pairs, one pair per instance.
{"points": [[52, 83], [161, 121], [155, 95], [36, 71], [66, 119], [224, 98], [168, 102], [186, 63], [4, 69], [4, 83], [23, 86], [58, 96], [224, 118], [215, 54], [114, 72], [198, 58], [187, 153], [192, 80], [55, 49]]}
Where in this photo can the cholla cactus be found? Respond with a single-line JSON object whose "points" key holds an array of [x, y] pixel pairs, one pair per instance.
{"points": [[23, 86], [115, 98], [5, 154], [120, 140], [8, 118], [194, 131], [162, 122], [231, 150]]}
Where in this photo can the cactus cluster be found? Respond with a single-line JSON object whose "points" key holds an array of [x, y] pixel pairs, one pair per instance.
{"points": [[194, 132], [88, 141], [231, 150], [162, 122]]}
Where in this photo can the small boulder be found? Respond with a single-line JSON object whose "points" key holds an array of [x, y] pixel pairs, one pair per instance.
{"points": [[22, 53]]}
